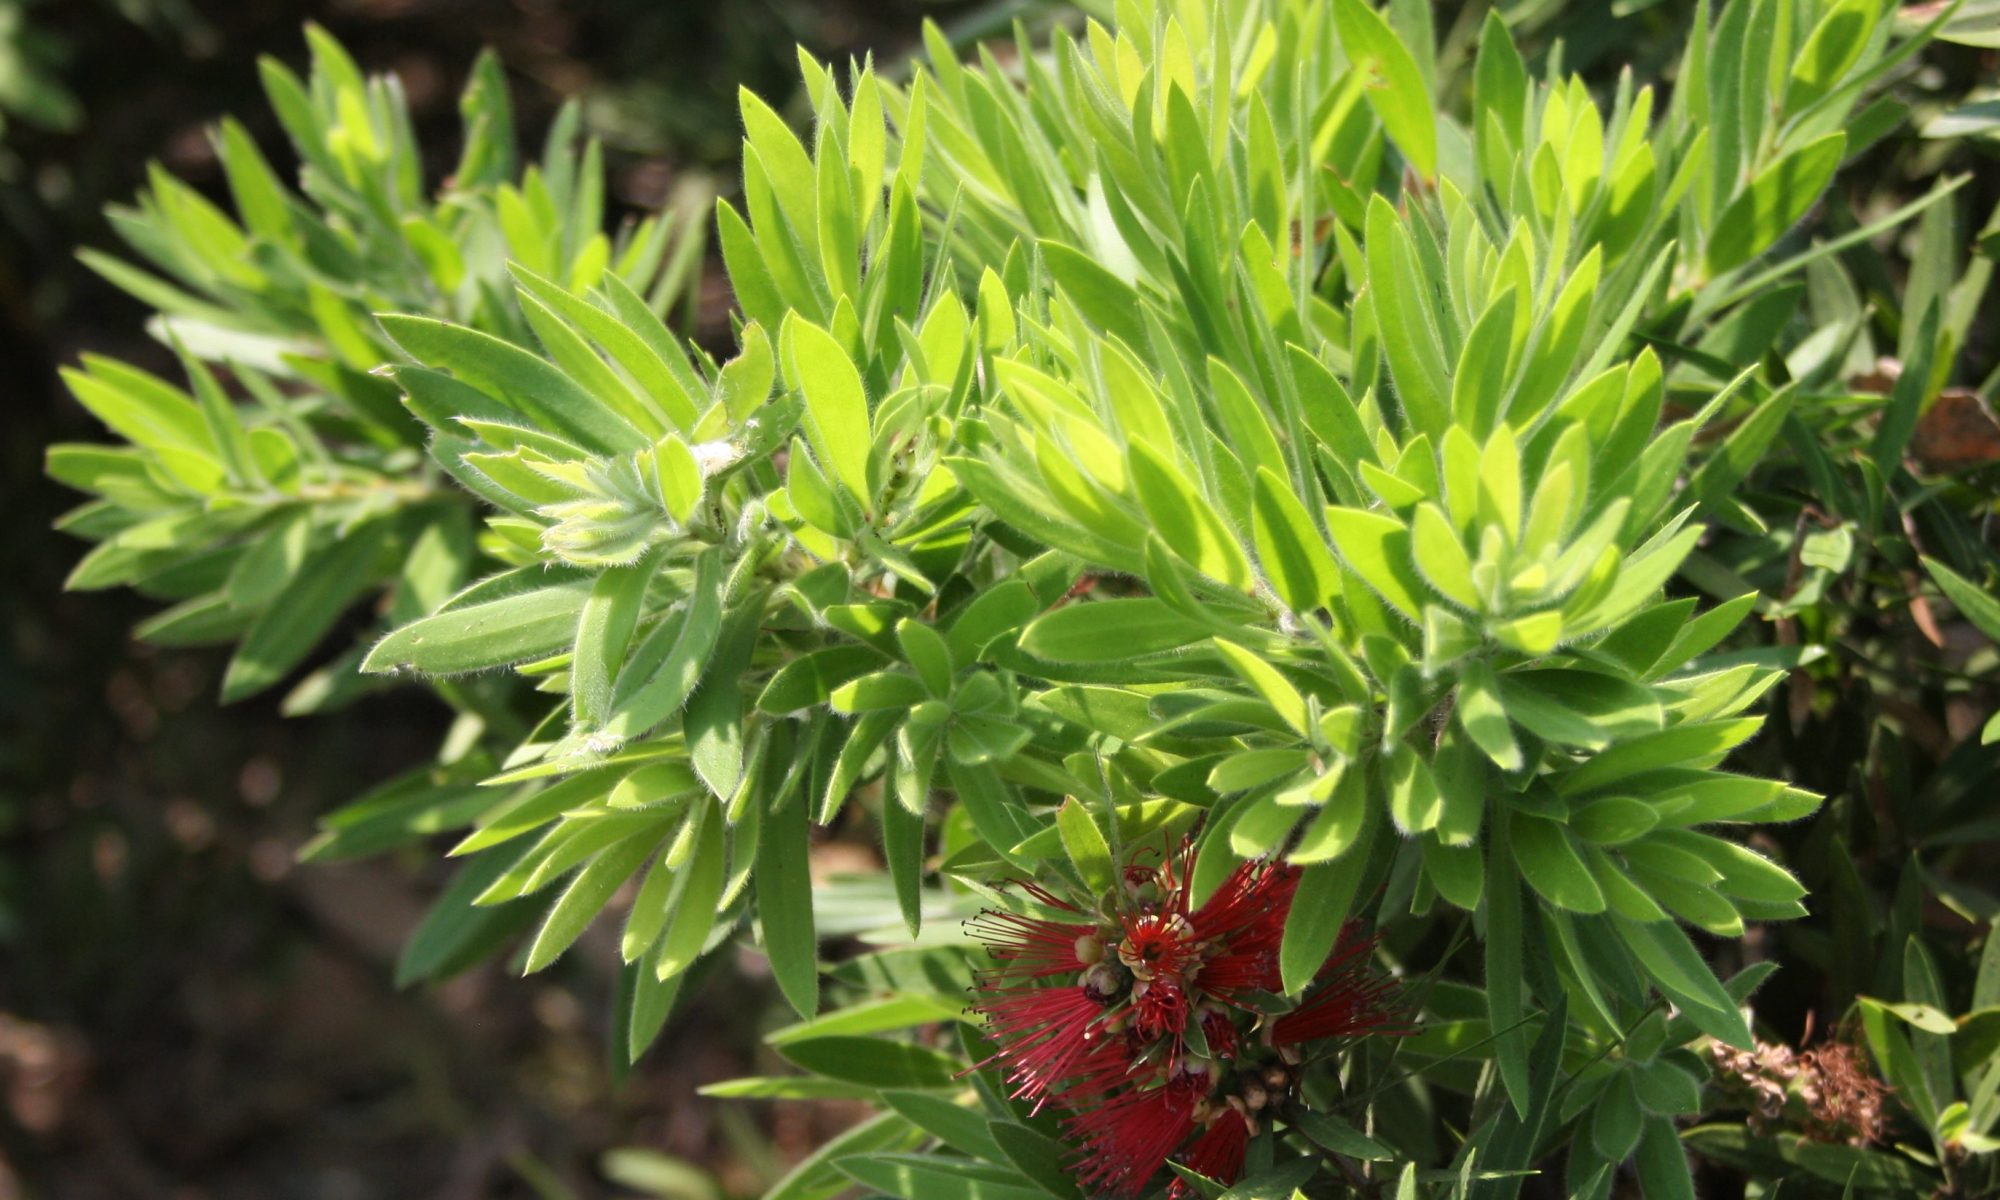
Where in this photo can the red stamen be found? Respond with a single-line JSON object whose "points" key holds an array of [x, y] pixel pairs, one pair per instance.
{"points": [[1349, 999], [1218, 1153], [1030, 947], [1244, 923], [1042, 1034], [1127, 1140], [1156, 944], [1160, 1009]]}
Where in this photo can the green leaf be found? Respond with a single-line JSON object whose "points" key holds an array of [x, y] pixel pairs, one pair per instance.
{"points": [[1578, 708], [603, 633], [1483, 715], [1102, 298], [1290, 549], [1325, 895], [1700, 744], [836, 404], [696, 896], [873, 1016], [1775, 200], [1377, 548], [303, 611], [1831, 51], [713, 722], [1109, 631], [976, 739], [925, 649], [1662, 1164], [1406, 304], [933, 1177], [666, 665], [1442, 559], [1276, 690], [1506, 995], [494, 633], [1038, 1156], [1676, 967], [1184, 520], [1338, 1136], [873, 1062], [874, 692], [816, 1178], [784, 904], [903, 820], [1085, 844], [1973, 602], [456, 934], [958, 1127], [1550, 863], [1396, 88], [519, 379], [587, 895], [810, 679], [1615, 1126], [404, 810], [989, 616], [1614, 820]]}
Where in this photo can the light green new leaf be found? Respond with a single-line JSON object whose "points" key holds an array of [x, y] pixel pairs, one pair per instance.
{"points": [[1397, 94], [1276, 690], [1484, 716], [1377, 548], [1289, 548], [836, 404], [1085, 844]]}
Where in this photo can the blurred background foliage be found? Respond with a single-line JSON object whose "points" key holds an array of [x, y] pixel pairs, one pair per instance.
{"points": [[186, 1012]]}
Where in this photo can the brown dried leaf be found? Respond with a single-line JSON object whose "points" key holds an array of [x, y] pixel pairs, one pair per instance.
{"points": [[1957, 432]]}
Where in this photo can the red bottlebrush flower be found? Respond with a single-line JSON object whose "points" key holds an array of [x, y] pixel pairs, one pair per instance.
{"points": [[1105, 1066], [1347, 1000], [1043, 1033], [1035, 947], [1156, 944], [1160, 1009], [1252, 900], [1220, 1033], [1243, 924], [1095, 1014], [1127, 1138], [1218, 1153]]}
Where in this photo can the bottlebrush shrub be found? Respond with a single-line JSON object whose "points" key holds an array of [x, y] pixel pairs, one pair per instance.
{"points": [[1188, 431], [266, 522]]}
